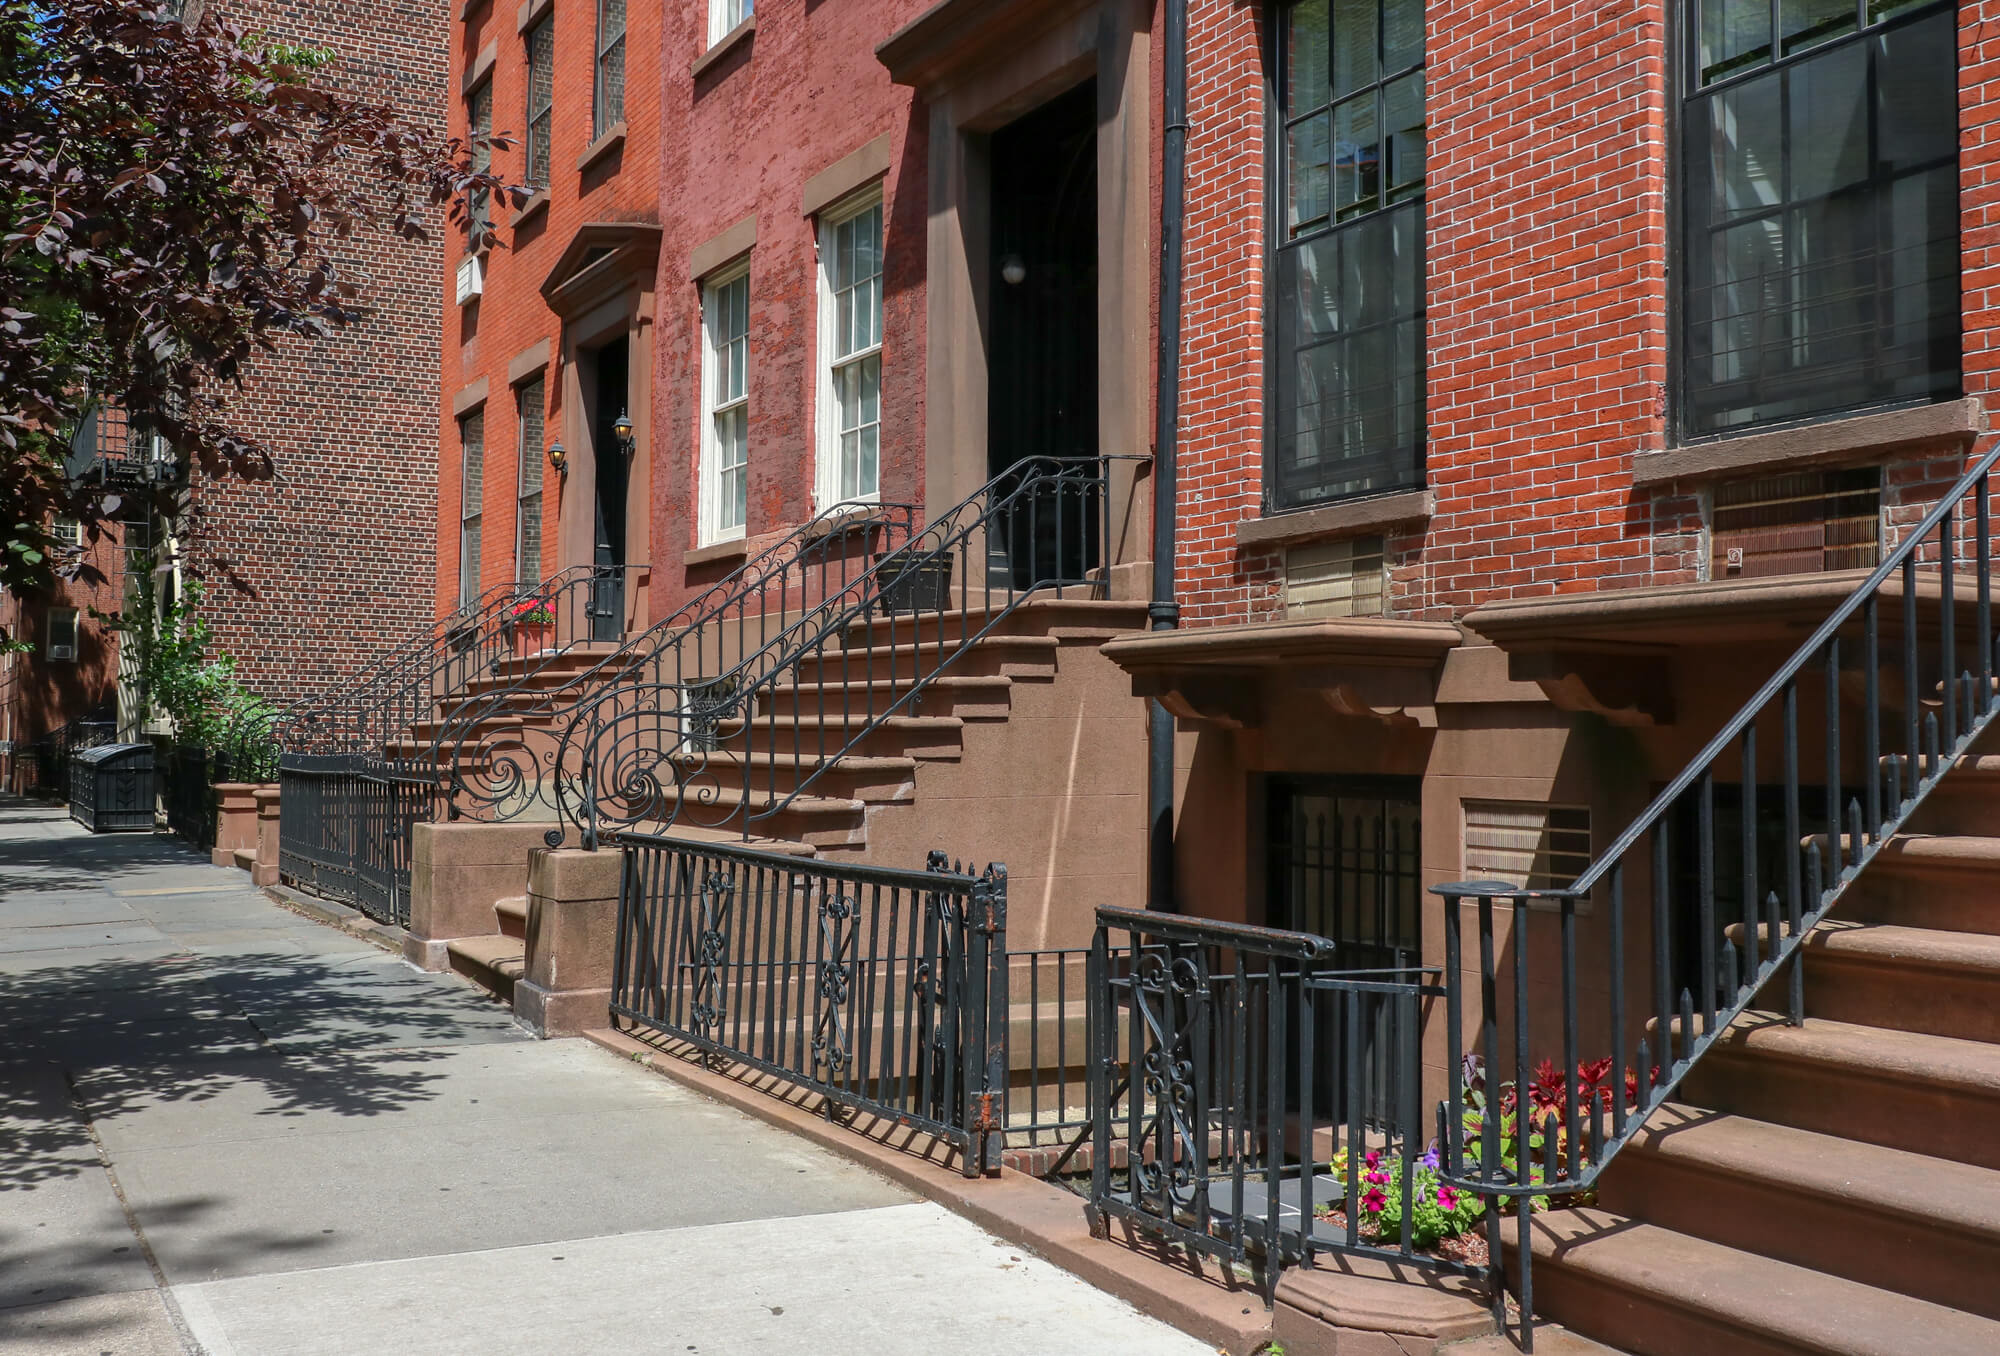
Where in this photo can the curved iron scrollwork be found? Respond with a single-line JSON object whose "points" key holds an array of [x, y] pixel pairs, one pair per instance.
{"points": [[833, 980], [718, 890]]}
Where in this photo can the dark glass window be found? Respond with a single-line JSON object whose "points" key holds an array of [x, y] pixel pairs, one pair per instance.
{"points": [[1348, 300], [479, 123], [609, 106], [541, 99], [1821, 227]]}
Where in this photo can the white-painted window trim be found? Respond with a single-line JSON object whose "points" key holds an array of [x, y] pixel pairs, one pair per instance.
{"points": [[830, 486], [720, 399], [724, 15]]}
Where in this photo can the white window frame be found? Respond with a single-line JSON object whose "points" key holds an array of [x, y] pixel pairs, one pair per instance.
{"points": [[725, 15], [827, 470], [68, 531], [471, 516], [531, 410], [712, 528]]}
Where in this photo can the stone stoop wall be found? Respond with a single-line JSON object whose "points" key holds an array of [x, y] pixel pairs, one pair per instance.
{"points": [[1055, 791], [332, 559], [458, 871], [1548, 219]]}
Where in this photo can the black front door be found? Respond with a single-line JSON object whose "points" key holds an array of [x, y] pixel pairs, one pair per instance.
{"points": [[1041, 392], [607, 603]]}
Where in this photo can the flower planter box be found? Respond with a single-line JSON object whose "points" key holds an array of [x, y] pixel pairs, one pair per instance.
{"points": [[531, 638]]}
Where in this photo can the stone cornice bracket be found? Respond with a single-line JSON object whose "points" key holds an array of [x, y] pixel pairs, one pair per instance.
{"points": [[953, 37], [601, 260], [1630, 686]]}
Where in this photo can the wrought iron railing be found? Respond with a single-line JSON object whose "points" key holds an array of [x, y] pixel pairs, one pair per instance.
{"points": [[737, 748], [492, 765], [882, 990], [189, 799], [1729, 868], [1243, 1086], [52, 750]]}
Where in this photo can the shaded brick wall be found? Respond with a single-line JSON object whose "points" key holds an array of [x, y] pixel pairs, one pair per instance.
{"points": [[337, 554], [1547, 292]]}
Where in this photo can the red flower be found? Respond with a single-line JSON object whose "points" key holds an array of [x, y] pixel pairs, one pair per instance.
{"points": [[1374, 1202]]}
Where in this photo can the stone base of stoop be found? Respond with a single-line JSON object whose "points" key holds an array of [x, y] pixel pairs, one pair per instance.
{"points": [[559, 1012], [427, 953], [1356, 1306]]}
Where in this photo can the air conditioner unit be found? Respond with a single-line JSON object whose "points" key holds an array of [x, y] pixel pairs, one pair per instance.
{"points": [[62, 652], [471, 278]]}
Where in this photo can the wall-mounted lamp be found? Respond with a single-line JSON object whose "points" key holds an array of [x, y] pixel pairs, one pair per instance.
{"points": [[1013, 270], [559, 458], [622, 431]]}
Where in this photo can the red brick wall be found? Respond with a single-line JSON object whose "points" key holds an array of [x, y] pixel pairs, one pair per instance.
{"points": [[480, 340], [334, 558], [744, 137], [1547, 230]]}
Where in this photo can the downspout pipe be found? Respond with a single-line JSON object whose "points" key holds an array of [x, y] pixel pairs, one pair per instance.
{"points": [[1163, 612]]}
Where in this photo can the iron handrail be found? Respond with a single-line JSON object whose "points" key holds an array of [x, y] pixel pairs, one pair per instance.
{"points": [[688, 719], [1769, 932], [751, 584]]}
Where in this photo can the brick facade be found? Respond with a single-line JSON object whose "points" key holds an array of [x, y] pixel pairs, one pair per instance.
{"points": [[336, 553], [1548, 228]]}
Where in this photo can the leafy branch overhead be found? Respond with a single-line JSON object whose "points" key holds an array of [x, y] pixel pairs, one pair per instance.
{"points": [[177, 197]]}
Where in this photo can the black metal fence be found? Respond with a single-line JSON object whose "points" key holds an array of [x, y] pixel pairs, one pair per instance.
{"points": [[52, 751], [189, 797], [1592, 1002], [344, 829], [1241, 1080], [882, 990]]}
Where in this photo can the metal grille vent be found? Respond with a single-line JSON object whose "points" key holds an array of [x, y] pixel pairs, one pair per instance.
{"points": [[1804, 523], [1537, 847], [1344, 578]]}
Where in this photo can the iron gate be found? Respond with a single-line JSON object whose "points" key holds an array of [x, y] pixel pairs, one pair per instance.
{"points": [[344, 826]]}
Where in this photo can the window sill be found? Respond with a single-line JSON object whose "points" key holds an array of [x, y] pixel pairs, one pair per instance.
{"points": [[530, 11], [531, 209], [737, 548], [1855, 440], [613, 138], [723, 46], [1350, 518]]}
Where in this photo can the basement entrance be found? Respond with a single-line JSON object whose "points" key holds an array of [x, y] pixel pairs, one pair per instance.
{"points": [[1041, 364], [613, 469]]}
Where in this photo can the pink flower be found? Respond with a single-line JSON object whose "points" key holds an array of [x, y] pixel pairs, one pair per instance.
{"points": [[1374, 1201], [1447, 1198], [1379, 1178], [1374, 1158]]}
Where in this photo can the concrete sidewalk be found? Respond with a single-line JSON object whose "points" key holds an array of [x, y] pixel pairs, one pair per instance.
{"points": [[226, 1128]]}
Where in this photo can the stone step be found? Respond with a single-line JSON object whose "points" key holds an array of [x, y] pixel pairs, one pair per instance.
{"points": [[730, 838], [968, 698], [1966, 802], [1009, 656], [928, 738], [1905, 979], [822, 821], [492, 962], [875, 781], [1899, 1221], [512, 913], [1072, 618], [1656, 1292], [1942, 883], [1926, 1094]]}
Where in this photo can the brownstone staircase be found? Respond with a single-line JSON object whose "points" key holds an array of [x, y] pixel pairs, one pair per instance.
{"points": [[1832, 1186]]}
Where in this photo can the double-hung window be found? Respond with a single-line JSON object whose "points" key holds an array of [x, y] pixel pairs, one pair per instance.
{"points": [[471, 493], [1820, 222], [609, 103], [1347, 311], [528, 485], [541, 99], [725, 423], [850, 328], [724, 15], [479, 124]]}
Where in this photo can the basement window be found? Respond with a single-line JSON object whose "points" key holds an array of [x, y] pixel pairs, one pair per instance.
{"points": [[1345, 578], [1805, 523]]}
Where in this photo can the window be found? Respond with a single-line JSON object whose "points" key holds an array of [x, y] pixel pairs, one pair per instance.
{"points": [[479, 124], [725, 431], [1535, 847], [67, 531], [528, 486], [1346, 863], [724, 15], [1348, 308], [62, 633], [471, 491], [1336, 579], [541, 98], [850, 327], [1821, 209], [1796, 524], [609, 100]]}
